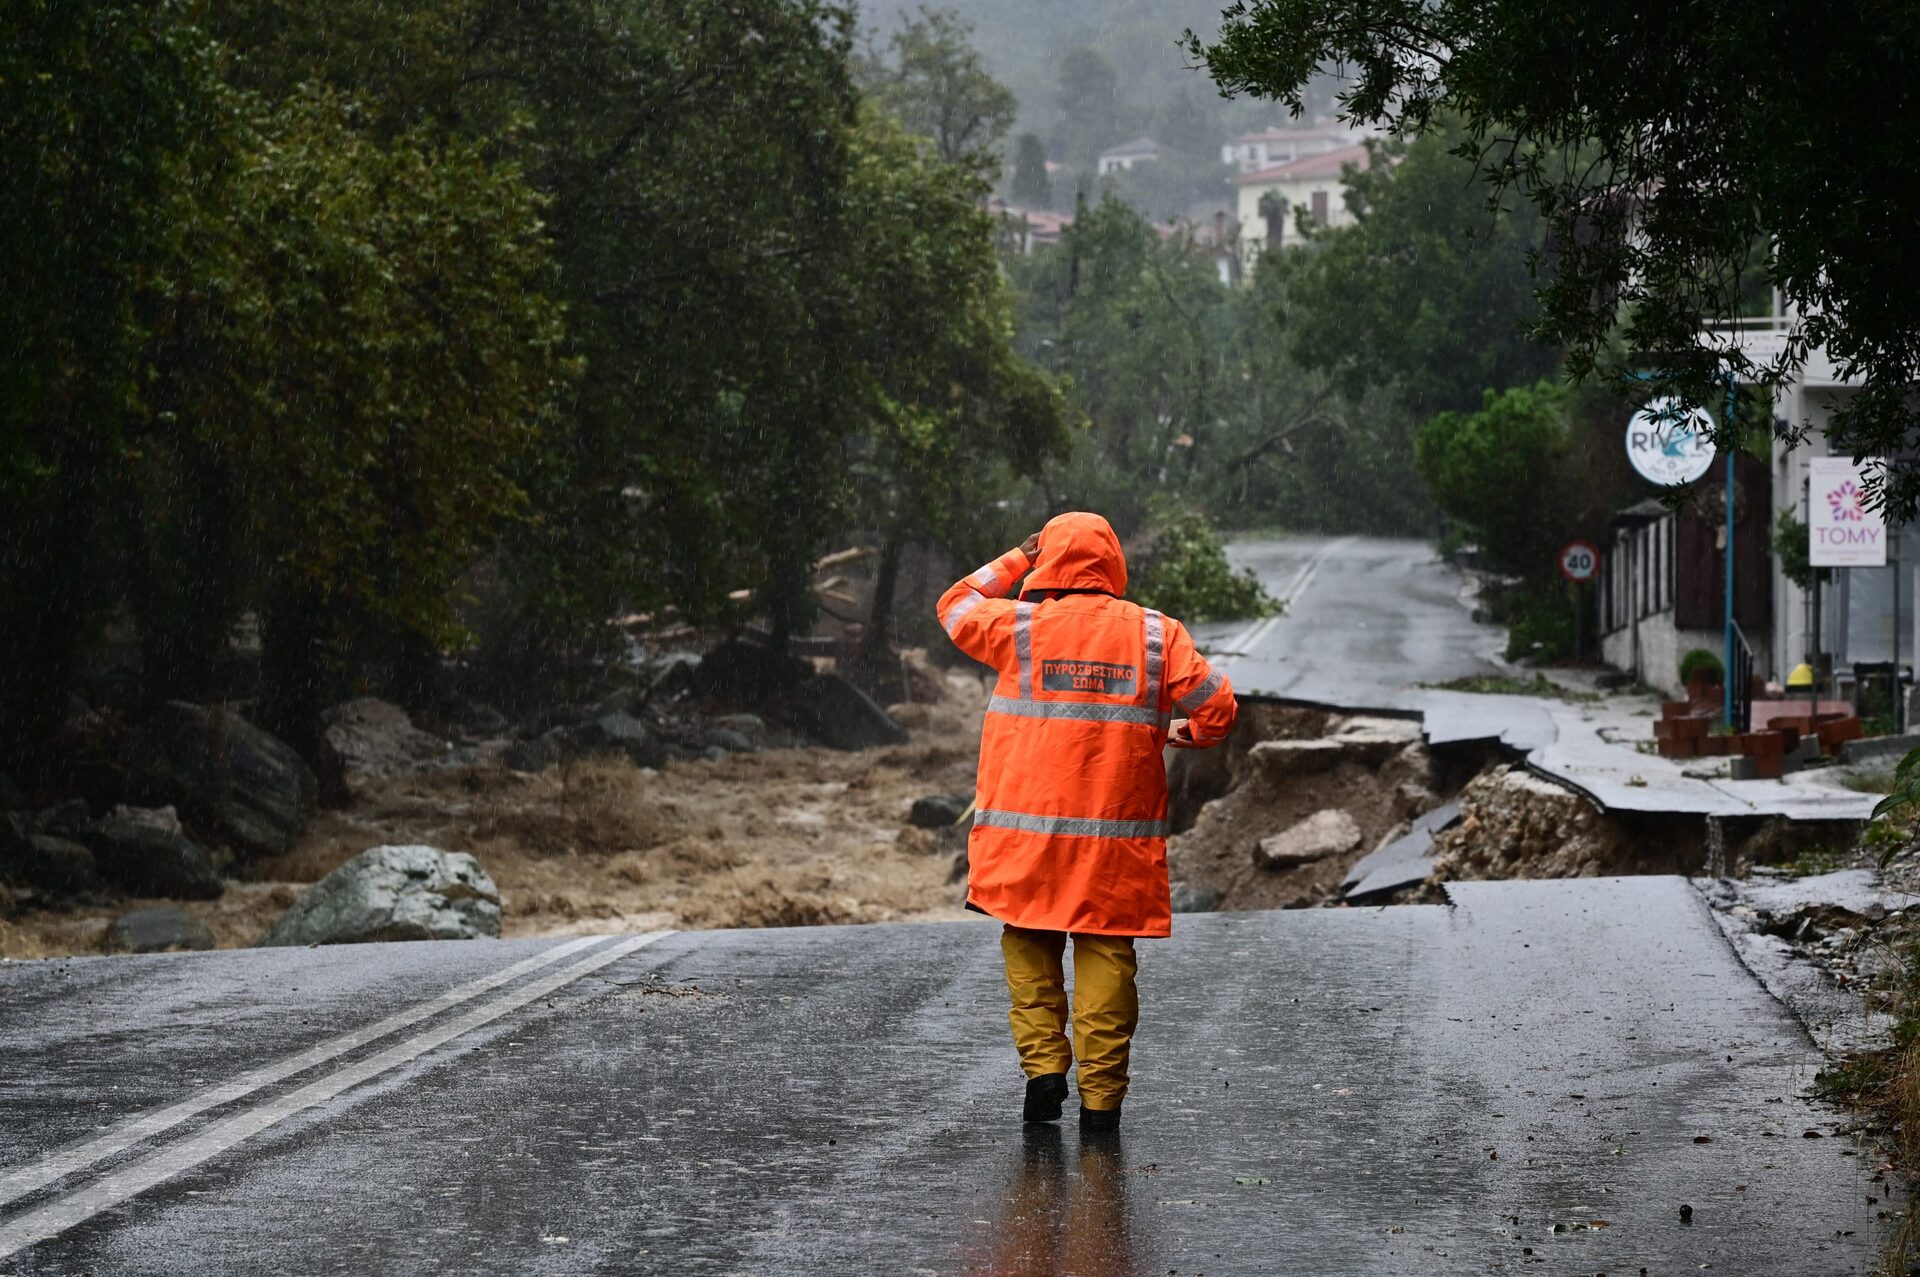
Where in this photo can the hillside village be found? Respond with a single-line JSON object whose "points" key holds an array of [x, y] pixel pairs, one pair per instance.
{"points": [[1275, 185]]}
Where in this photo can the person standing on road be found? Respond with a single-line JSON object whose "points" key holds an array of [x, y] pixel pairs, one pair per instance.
{"points": [[1070, 828]]}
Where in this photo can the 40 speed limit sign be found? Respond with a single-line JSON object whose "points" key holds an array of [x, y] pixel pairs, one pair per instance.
{"points": [[1579, 561]]}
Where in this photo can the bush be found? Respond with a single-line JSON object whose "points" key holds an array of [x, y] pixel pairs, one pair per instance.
{"points": [[1539, 626], [1701, 664], [1185, 574]]}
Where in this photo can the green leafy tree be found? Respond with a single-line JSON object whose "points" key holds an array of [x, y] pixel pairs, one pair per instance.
{"points": [[1032, 187], [953, 412], [1500, 472], [105, 110], [932, 78], [1091, 115], [357, 365], [1426, 295], [1658, 229], [1185, 573]]}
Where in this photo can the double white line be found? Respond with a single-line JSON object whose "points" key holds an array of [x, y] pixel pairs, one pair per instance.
{"points": [[1242, 644], [129, 1181]]}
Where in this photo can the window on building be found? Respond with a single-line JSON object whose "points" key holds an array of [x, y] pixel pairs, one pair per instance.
{"points": [[1320, 208]]}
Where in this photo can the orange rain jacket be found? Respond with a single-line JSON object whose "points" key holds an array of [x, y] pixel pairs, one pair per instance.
{"points": [[1070, 830]]}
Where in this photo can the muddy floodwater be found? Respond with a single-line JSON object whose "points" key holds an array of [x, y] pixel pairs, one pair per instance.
{"points": [[784, 837]]}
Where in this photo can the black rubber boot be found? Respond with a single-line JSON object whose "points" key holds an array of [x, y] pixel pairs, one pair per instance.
{"points": [[1045, 1094], [1099, 1121]]}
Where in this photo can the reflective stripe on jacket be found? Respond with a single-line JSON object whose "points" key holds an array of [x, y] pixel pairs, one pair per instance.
{"points": [[1070, 828]]}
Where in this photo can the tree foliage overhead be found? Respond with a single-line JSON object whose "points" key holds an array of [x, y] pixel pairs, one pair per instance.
{"points": [[931, 77], [1667, 148], [1191, 391], [1426, 294], [384, 323]]}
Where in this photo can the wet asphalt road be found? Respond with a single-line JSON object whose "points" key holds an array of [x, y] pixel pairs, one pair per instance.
{"points": [[1368, 620], [1421, 1090]]}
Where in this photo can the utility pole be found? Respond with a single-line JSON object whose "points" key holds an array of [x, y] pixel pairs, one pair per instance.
{"points": [[1731, 445]]}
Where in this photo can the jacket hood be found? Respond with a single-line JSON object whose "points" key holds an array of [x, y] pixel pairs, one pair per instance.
{"points": [[1078, 551]]}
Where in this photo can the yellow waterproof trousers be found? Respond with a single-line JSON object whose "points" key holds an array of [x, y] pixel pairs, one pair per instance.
{"points": [[1106, 1008]]}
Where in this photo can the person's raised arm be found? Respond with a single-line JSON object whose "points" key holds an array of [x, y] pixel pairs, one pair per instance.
{"points": [[968, 611]]}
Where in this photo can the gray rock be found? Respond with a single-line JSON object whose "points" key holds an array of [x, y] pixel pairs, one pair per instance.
{"points": [[483, 719], [728, 741], [538, 754], [66, 818], [376, 739], [840, 715], [1188, 898], [55, 865], [226, 776], [675, 676], [394, 893], [746, 724], [12, 797], [158, 930], [619, 733], [1286, 759], [742, 672], [1325, 833], [149, 859], [159, 817], [938, 811], [17, 828]]}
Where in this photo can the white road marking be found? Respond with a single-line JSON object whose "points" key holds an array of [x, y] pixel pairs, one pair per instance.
{"points": [[111, 1189], [20, 1181], [1243, 644]]}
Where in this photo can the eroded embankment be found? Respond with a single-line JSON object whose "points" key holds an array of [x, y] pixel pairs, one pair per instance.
{"points": [[1278, 817]]}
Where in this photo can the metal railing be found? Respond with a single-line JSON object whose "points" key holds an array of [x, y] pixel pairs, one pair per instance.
{"points": [[1740, 681]]}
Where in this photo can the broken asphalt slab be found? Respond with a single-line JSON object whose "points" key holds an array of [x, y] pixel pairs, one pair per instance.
{"points": [[1403, 861], [1537, 1079]]}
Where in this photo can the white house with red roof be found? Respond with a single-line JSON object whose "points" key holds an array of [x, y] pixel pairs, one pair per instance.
{"points": [[1271, 198], [1269, 148]]}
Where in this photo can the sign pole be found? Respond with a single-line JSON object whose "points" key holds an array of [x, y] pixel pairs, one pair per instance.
{"points": [[1732, 446]]}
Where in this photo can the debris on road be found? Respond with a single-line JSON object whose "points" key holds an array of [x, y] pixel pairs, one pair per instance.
{"points": [[394, 893]]}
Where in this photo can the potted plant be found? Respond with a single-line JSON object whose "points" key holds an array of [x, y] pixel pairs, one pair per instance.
{"points": [[1703, 675]]}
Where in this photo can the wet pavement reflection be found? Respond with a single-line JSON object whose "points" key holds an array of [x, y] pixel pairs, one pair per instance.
{"points": [[1066, 1209]]}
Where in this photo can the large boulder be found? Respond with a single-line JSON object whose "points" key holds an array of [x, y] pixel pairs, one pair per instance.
{"points": [[57, 866], [158, 930], [620, 733], [145, 857], [375, 739], [226, 776], [939, 811], [539, 753], [394, 893], [1325, 833], [742, 672], [840, 715], [1284, 760]]}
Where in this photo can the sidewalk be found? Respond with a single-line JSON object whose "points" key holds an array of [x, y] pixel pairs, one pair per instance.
{"points": [[1591, 746]]}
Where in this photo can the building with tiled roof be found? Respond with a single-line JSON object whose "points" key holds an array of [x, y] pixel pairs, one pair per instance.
{"points": [[1270, 198], [1120, 159], [1270, 148]]}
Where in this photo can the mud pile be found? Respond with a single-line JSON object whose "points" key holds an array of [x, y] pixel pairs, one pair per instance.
{"points": [[1515, 824], [1291, 803]]}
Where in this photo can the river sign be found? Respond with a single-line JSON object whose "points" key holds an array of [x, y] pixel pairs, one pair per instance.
{"points": [[1841, 531], [1669, 445], [1579, 561]]}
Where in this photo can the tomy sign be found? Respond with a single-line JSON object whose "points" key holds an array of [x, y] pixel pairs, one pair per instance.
{"points": [[1669, 445], [1841, 531]]}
